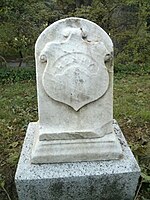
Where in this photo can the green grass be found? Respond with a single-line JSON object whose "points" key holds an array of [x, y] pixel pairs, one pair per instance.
{"points": [[19, 107], [131, 99], [132, 111]]}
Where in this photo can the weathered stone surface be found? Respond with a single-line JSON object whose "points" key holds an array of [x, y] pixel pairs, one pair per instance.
{"points": [[56, 151], [74, 86], [75, 93], [95, 180]]}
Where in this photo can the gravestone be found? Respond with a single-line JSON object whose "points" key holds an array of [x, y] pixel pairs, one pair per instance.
{"points": [[74, 87], [76, 150]]}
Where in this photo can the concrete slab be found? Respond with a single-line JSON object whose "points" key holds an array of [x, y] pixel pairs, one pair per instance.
{"points": [[94, 180]]}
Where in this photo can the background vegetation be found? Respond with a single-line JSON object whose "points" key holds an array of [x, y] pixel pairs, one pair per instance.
{"points": [[128, 24]]}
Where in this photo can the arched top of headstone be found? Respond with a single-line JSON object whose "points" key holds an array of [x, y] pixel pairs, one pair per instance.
{"points": [[91, 31]]}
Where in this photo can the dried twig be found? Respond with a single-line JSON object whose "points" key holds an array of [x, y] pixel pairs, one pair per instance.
{"points": [[136, 195]]}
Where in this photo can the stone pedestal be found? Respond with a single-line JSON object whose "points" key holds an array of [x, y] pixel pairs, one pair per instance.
{"points": [[91, 180]]}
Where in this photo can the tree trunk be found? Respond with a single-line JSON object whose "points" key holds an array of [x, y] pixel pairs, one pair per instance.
{"points": [[21, 58], [87, 2], [79, 3]]}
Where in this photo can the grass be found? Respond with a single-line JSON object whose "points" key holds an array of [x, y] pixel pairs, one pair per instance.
{"points": [[19, 107], [131, 107], [132, 111]]}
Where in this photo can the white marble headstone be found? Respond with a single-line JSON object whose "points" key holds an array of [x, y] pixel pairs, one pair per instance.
{"points": [[74, 69]]}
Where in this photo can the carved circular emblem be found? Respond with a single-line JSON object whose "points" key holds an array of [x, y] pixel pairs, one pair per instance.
{"points": [[75, 79]]}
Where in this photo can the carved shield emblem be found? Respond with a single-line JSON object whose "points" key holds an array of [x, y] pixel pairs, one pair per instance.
{"points": [[75, 79]]}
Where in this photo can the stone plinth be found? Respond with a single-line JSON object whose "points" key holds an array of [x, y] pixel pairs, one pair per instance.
{"points": [[94, 180]]}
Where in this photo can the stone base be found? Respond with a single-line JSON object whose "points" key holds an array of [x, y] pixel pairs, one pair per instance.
{"points": [[94, 180], [56, 151]]}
